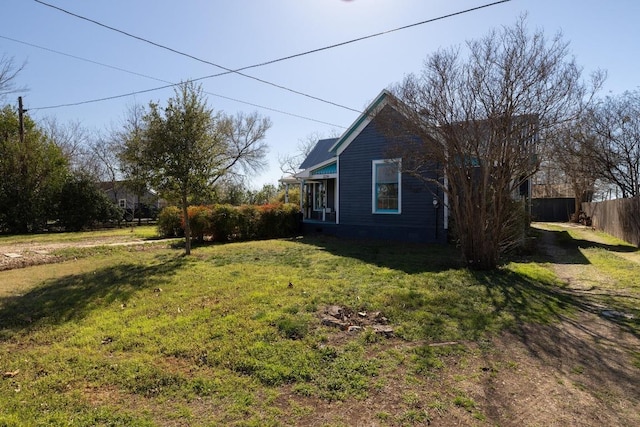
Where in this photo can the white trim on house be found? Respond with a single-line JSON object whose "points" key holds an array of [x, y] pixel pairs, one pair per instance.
{"points": [[307, 172], [337, 190], [361, 122], [318, 195]]}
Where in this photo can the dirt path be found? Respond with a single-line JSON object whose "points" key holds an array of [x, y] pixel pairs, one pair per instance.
{"points": [[585, 369]]}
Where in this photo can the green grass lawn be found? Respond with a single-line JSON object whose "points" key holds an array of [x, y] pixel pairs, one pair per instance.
{"points": [[141, 336]]}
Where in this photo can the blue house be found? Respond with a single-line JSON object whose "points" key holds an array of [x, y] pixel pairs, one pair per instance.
{"points": [[353, 186]]}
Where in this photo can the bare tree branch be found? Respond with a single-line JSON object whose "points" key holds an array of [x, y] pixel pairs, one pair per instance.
{"points": [[9, 71], [479, 121]]}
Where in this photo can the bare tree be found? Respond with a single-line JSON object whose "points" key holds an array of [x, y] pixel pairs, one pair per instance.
{"points": [[76, 143], [9, 70], [615, 147], [478, 120], [246, 148], [290, 163], [104, 156], [126, 147], [570, 156]]}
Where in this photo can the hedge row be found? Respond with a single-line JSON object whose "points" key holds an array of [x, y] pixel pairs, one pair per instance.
{"points": [[224, 223]]}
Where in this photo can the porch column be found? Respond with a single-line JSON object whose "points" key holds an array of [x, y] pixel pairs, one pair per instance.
{"points": [[323, 198], [302, 198]]}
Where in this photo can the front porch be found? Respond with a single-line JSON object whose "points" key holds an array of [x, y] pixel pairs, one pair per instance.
{"points": [[318, 197], [319, 200]]}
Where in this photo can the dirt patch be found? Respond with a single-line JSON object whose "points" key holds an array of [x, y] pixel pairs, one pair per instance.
{"points": [[20, 255], [11, 260]]}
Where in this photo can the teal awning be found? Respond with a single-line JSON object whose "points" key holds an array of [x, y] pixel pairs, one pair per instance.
{"points": [[326, 170]]}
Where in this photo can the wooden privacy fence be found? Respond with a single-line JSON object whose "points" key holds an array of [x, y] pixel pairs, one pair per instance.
{"points": [[557, 209], [620, 218]]}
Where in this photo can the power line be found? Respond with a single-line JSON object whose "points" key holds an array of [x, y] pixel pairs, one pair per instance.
{"points": [[124, 95], [370, 36], [168, 85], [81, 59], [238, 71], [228, 70]]}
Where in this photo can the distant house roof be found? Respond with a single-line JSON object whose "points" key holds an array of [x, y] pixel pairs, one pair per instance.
{"points": [[120, 185], [320, 153]]}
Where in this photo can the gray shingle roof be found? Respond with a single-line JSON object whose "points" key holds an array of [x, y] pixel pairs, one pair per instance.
{"points": [[320, 153]]}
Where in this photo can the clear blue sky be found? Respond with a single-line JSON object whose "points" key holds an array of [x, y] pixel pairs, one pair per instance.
{"points": [[238, 33]]}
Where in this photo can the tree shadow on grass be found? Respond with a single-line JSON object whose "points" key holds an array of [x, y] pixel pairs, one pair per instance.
{"points": [[411, 258], [569, 337], [564, 331], [561, 248], [535, 301], [526, 299], [74, 297]]}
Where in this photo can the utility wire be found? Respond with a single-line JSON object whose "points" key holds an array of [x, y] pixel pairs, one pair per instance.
{"points": [[81, 59], [228, 70], [168, 85], [370, 36], [238, 71]]}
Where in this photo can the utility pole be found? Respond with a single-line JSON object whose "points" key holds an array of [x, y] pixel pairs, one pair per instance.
{"points": [[21, 112]]}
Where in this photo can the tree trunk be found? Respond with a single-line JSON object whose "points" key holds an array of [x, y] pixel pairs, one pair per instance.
{"points": [[187, 225]]}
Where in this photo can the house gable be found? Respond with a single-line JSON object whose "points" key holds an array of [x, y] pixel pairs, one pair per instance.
{"points": [[361, 122]]}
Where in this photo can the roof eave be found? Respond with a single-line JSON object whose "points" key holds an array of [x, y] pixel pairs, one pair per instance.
{"points": [[361, 122], [321, 164]]}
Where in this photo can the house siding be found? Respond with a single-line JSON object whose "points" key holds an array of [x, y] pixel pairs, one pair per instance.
{"points": [[117, 191], [417, 220]]}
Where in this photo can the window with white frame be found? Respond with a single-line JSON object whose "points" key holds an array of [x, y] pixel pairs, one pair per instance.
{"points": [[387, 186], [122, 203]]}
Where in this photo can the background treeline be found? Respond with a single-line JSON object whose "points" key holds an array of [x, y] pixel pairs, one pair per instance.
{"points": [[49, 179], [39, 187]]}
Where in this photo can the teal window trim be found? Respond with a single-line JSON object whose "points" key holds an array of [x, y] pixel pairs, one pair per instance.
{"points": [[386, 186]]}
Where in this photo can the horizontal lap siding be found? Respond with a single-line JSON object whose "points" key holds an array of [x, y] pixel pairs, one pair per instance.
{"points": [[331, 194], [417, 219]]}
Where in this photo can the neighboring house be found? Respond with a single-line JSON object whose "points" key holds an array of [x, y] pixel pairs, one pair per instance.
{"points": [[352, 187], [147, 204]]}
